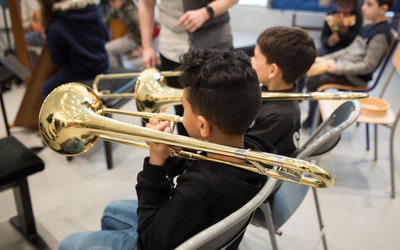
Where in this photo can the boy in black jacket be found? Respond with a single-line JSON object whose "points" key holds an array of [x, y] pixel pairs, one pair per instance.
{"points": [[177, 198], [282, 55]]}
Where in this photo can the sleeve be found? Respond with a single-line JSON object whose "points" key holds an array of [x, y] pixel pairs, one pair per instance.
{"points": [[354, 30], [326, 33], [58, 49], [271, 127], [375, 51], [131, 17], [161, 212], [340, 53], [112, 15]]}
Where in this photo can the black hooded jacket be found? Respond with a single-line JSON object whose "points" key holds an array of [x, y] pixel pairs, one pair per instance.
{"points": [[184, 197]]}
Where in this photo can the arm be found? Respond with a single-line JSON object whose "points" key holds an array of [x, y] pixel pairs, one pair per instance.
{"points": [[194, 19], [146, 19], [131, 17], [340, 53], [375, 51], [162, 210], [112, 15]]}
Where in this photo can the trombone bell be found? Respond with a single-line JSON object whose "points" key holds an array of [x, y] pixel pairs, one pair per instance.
{"points": [[64, 119], [152, 93]]}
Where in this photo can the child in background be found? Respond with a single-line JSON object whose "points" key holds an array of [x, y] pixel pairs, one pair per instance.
{"points": [[344, 31], [75, 37], [355, 64], [127, 13], [282, 55]]}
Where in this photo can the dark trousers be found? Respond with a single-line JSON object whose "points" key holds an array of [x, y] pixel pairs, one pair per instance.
{"points": [[173, 82], [62, 77], [314, 82]]}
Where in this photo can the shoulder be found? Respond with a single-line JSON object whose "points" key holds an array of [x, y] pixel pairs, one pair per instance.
{"points": [[279, 109]]}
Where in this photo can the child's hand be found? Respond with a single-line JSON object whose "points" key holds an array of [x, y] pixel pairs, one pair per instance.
{"points": [[331, 68], [193, 19], [333, 39], [319, 59], [158, 152]]}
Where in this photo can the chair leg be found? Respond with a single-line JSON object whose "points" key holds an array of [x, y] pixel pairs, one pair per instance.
{"points": [[270, 226], [392, 172], [69, 158], [108, 148], [315, 120], [376, 142], [321, 225], [367, 135], [24, 222]]}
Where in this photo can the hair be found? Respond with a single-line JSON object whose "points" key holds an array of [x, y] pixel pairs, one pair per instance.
{"points": [[389, 3], [222, 86], [291, 49], [356, 3], [47, 11]]}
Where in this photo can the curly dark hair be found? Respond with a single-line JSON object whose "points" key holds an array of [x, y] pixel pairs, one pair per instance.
{"points": [[292, 49], [222, 86], [355, 2]]}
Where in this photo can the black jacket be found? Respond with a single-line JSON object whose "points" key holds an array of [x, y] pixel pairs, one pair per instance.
{"points": [[278, 122], [184, 197]]}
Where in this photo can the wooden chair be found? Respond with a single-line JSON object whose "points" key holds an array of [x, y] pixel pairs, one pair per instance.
{"points": [[367, 88], [390, 120]]}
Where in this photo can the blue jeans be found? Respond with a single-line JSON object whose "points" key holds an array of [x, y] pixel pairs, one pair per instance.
{"points": [[118, 230]]}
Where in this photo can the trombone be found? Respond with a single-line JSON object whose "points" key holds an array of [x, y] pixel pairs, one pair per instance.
{"points": [[152, 93], [72, 119]]}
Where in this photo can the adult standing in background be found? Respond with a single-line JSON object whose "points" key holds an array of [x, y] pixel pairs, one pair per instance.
{"points": [[185, 24]]}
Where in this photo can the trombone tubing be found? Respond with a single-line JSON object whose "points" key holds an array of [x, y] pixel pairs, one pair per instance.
{"points": [[108, 127], [124, 76]]}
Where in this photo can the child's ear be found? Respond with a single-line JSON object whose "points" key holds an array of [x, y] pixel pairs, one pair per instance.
{"points": [[204, 126], [274, 71], [384, 8]]}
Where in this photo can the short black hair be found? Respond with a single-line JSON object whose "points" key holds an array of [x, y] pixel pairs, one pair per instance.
{"points": [[389, 3], [292, 49], [222, 86], [356, 3]]}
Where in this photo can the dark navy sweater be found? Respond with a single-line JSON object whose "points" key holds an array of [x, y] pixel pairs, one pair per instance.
{"points": [[76, 40]]}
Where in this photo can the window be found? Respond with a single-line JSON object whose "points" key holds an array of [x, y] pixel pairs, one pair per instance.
{"points": [[260, 3]]}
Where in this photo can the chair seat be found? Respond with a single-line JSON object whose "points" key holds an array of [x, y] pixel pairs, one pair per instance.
{"points": [[328, 106], [17, 161], [342, 87]]}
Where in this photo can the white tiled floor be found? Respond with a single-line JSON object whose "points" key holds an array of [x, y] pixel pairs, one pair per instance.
{"points": [[69, 197]]}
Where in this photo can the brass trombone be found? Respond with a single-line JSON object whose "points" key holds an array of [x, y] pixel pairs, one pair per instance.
{"points": [[152, 93], [71, 121]]}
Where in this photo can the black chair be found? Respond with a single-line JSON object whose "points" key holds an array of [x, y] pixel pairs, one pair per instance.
{"points": [[16, 164], [277, 209], [113, 86]]}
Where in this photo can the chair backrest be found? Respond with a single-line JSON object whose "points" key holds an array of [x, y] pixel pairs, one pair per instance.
{"points": [[289, 196], [389, 52], [225, 232]]}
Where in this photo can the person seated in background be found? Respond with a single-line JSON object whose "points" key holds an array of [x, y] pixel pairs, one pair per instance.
{"points": [[355, 64], [178, 198], [282, 55], [342, 25], [76, 38], [126, 12]]}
